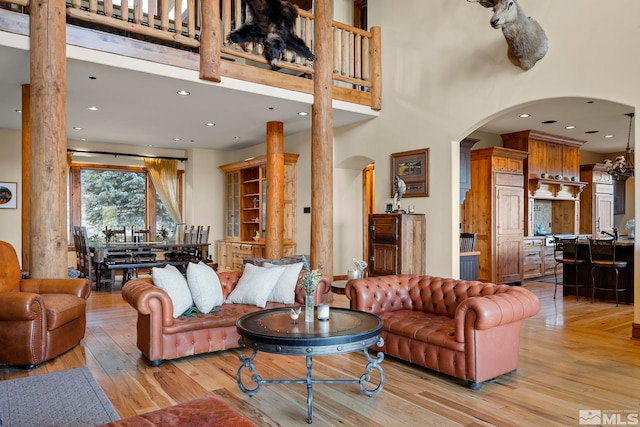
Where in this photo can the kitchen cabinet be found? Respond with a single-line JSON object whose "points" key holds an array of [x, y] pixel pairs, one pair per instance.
{"points": [[494, 210], [539, 258], [551, 171], [596, 206], [396, 244]]}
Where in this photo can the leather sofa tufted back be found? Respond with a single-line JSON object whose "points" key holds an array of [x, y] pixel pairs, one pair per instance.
{"points": [[428, 294]]}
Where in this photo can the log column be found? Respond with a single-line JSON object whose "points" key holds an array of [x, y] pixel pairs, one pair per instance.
{"points": [[26, 175], [322, 143], [48, 122], [274, 242]]}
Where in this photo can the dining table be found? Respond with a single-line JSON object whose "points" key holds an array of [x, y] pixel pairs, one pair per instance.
{"points": [[126, 256]]}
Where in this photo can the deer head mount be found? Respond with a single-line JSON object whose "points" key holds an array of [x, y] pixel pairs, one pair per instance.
{"points": [[526, 40]]}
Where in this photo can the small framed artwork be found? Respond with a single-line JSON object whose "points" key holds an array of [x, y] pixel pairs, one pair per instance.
{"points": [[413, 168], [8, 195]]}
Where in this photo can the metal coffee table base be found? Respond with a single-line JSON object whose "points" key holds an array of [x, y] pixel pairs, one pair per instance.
{"points": [[374, 363]]}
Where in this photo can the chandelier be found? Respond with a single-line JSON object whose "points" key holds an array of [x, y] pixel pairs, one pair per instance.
{"points": [[623, 166]]}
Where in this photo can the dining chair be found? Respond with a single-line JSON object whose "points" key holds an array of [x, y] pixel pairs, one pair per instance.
{"points": [[140, 234], [117, 257], [566, 255], [141, 254], [602, 256], [84, 262]]}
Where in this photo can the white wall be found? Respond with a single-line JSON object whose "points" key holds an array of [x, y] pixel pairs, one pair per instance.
{"points": [[11, 171]]}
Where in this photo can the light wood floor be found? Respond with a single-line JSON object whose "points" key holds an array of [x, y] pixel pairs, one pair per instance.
{"points": [[573, 356]]}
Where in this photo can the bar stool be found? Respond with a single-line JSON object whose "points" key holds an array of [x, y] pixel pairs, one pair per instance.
{"points": [[602, 255], [566, 254]]}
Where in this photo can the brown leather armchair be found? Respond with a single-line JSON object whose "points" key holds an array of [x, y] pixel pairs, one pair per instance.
{"points": [[39, 318]]}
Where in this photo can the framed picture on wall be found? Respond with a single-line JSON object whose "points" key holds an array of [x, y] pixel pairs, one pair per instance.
{"points": [[8, 195], [413, 168]]}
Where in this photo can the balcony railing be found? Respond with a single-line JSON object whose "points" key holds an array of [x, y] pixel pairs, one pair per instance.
{"points": [[202, 26]]}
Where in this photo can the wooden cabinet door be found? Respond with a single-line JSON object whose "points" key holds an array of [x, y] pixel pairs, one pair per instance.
{"points": [[232, 205], [509, 204], [510, 219], [509, 262], [603, 215], [384, 228], [384, 259], [570, 161], [554, 159]]}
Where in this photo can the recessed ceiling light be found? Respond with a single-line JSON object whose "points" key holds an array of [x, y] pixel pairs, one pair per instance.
{"points": [[83, 139], [177, 139], [93, 108], [548, 122], [609, 136], [570, 127], [18, 111], [150, 145], [236, 137], [183, 93], [524, 116], [77, 128], [303, 113], [210, 124]]}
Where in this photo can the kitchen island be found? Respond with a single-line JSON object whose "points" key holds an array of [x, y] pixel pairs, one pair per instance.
{"points": [[624, 252]]}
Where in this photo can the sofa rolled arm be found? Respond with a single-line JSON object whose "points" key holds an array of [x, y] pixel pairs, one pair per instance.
{"points": [[489, 311], [21, 306], [78, 287], [147, 298]]}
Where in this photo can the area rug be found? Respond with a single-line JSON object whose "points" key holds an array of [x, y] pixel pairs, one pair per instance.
{"points": [[60, 399]]}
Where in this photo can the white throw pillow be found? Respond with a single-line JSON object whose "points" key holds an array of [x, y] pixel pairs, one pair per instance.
{"points": [[255, 285], [285, 289], [173, 283], [205, 287]]}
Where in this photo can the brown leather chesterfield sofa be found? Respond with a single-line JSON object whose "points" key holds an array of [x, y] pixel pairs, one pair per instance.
{"points": [[161, 337], [39, 318], [469, 330]]}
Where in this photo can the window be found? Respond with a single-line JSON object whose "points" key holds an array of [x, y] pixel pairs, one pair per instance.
{"points": [[117, 198]]}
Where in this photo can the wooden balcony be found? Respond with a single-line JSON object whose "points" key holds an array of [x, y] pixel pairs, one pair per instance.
{"points": [[198, 41]]}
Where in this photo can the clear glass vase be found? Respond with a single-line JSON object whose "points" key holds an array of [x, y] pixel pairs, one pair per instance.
{"points": [[309, 308]]}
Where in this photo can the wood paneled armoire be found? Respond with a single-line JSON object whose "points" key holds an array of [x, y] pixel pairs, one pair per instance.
{"points": [[396, 244]]}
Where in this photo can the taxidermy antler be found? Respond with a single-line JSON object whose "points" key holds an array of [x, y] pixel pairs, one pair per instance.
{"points": [[271, 23], [525, 37]]}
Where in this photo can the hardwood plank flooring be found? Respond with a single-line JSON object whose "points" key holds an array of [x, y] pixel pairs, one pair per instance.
{"points": [[573, 356]]}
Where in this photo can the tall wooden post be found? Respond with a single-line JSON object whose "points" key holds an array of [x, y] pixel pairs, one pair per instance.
{"points": [[48, 123], [274, 242], [26, 175], [322, 143]]}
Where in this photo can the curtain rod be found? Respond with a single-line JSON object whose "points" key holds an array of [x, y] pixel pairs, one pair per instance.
{"points": [[144, 156]]}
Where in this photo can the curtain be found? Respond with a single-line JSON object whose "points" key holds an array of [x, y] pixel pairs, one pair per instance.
{"points": [[69, 160], [164, 176]]}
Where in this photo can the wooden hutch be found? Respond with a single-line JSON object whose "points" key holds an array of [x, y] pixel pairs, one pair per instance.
{"points": [[245, 211]]}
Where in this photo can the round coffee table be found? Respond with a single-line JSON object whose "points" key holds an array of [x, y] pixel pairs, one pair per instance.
{"points": [[346, 331]]}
